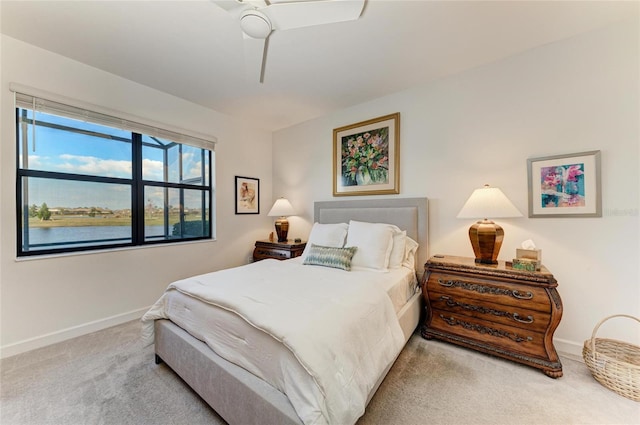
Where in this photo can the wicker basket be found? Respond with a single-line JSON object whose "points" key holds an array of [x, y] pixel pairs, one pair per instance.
{"points": [[614, 364]]}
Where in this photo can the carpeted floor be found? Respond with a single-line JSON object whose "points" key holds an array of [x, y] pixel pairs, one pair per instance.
{"points": [[108, 377]]}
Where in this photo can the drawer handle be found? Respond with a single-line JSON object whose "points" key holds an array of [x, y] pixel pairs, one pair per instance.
{"points": [[482, 289], [517, 318], [526, 296], [500, 333], [451, 303], [448, 283]]}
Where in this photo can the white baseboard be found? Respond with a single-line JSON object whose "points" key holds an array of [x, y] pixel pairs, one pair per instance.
{"points": [[72, 332], [569, 349]]}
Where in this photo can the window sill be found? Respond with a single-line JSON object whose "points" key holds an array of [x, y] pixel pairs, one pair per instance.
{"points": [[110, 250]]}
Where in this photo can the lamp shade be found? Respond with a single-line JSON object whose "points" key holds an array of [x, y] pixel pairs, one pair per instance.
{"points": [[486, 236], [281, 208], [488, 202]]}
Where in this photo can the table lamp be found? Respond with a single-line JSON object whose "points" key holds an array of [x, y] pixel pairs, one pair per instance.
{"points": [[281, 208], [485, 235]]}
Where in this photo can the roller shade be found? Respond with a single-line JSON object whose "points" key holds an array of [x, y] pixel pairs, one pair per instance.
{"points": [[29, 98]]}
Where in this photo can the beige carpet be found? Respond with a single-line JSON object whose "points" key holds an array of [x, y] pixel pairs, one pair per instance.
{"points": [[109, 378]]}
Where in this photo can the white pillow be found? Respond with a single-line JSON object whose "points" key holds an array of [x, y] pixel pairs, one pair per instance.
{"points": [[374, 242], [411, 247], [329, 235], [398, 250]]}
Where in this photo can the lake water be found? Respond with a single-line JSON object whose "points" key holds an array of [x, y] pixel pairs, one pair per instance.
{"points": [[59, 237]]}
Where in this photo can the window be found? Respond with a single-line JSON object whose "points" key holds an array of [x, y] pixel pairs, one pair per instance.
{"points": [[86, 181]]}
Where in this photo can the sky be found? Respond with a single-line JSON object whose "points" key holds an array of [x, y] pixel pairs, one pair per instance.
{"points": [[72, 152]]}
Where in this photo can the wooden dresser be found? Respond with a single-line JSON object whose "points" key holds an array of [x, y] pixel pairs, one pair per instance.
{"points": [[277, 250], [494, 309]]}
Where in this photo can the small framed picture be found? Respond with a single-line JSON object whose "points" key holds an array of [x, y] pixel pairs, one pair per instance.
{"points": [[247, 195], [366, 157], [565, 185]]}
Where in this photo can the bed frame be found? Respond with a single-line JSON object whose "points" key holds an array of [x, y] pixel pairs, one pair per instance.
{"points": [[240, 397]]}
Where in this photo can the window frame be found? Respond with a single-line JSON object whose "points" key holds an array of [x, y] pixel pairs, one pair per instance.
{"points": [[136, 183]]}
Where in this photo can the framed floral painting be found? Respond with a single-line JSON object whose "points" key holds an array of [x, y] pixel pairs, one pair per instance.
{"points": [[247, 195], [366, 157], [565, 185]]}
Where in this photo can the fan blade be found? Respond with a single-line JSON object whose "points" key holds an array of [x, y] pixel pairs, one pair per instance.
{"points": [[234, 7], [304, 13], [227, 4], [255, 58], [255, 49], [256, 3]]}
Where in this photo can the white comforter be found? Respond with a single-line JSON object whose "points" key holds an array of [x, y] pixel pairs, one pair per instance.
{"points": [[341, 326]]}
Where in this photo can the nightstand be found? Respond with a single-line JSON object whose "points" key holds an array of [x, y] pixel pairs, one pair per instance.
{"points": [[494, 309], [278, 250]]}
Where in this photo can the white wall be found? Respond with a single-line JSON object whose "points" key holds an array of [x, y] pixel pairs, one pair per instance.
{"points": [[47, 300], [480, 127]]}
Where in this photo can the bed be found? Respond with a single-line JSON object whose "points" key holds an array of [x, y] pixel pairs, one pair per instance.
{"points": [[251, 387]]}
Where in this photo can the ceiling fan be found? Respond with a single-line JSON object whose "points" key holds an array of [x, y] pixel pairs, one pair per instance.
{"points": [[258, 19]]}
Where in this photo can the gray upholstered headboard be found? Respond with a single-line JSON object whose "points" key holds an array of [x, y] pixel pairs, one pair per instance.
{"points": [[410, 214]]}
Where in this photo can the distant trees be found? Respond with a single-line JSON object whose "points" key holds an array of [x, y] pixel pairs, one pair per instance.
{"points": [[43, 212]]}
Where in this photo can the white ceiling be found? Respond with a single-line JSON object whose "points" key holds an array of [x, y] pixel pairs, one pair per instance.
{"points": [[194, 49]]}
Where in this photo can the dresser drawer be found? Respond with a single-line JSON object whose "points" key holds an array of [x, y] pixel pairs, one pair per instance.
{"points": [[278, 250], [494, 336], [491, 291], [262, 253], [511, 315]]}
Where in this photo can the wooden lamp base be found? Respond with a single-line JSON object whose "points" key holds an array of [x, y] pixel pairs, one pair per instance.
{"points": [[282, 229], [486, 239]]}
